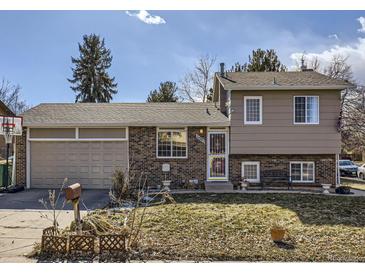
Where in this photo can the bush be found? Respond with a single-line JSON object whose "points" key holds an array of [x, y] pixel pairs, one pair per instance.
{"points": [[343, 190], [121, 187]]}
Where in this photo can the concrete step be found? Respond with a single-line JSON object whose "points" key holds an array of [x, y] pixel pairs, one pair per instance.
{"points": [[218, 186]]}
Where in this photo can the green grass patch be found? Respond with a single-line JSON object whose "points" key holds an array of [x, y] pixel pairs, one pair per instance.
{"points": [[237, 227]]}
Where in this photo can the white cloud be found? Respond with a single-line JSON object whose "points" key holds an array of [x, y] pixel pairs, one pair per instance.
{"points": [[355, 52], [362, 22], [333, 36], [147, 18]]}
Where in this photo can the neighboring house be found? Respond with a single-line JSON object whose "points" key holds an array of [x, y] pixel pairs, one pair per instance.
{"points": [[4, 111], [259, 123]]}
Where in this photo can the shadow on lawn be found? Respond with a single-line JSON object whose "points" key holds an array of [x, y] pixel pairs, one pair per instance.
{"points": [[311, 209]]}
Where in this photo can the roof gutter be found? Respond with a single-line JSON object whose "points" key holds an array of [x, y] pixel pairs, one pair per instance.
{"points": [[246, 88], [141, 124]]}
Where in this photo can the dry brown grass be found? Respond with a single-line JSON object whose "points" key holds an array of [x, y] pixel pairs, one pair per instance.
{"points": [[237, 227]]}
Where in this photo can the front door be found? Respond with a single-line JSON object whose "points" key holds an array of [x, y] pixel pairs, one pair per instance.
{"points": [[217, 156]]}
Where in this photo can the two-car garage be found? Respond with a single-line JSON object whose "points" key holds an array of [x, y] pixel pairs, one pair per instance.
{"points": [[85, 155]]}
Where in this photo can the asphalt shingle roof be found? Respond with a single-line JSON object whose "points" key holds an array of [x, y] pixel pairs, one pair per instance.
{"points": [[279, 80], [125, 114]]}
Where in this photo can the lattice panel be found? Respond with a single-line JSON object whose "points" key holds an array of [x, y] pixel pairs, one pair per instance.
{"points": [[49, 231], [54, 244], [112, 243], [82, 243]]}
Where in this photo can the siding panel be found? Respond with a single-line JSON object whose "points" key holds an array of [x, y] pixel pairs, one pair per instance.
{"points": [[278, 134]]}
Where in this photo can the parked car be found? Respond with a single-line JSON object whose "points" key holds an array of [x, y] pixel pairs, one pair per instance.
{"points": [[348, 168], [361, 172]]}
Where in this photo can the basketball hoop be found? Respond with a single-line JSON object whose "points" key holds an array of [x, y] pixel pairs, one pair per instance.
{"points": [[9, 127]]}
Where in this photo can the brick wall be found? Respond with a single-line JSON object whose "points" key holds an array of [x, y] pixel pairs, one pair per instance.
{"points": [[21, 162], [142, 156], [325, 165]]}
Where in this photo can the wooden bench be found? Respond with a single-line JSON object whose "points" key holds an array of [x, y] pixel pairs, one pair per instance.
{"points": [[275, 175]]}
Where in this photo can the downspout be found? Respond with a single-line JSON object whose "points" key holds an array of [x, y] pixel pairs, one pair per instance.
{"points": [[338, 182]]}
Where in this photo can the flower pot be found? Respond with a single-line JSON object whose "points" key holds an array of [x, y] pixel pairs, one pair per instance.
{"points": [[326, 188], [277, 234], [243, 185], [166, 185]]}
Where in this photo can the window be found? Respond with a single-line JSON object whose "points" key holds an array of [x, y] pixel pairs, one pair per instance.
{"points": [[52, 133], [306, 110], [102, 133], [302, 171], [253, 110], [171, 143], [251, 171]]}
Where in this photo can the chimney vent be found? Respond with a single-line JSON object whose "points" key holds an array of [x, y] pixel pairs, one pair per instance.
{"points": [[222, 69]]}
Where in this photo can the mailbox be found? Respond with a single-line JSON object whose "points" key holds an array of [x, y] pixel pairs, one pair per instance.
{"points": [[73, 191]]}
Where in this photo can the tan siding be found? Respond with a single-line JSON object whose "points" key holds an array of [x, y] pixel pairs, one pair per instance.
{"points": [[278, 134], [52, 133]]}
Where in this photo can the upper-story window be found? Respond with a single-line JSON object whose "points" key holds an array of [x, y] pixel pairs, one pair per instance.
{"points": [[171, 143], [306, 110], [253, 110]]}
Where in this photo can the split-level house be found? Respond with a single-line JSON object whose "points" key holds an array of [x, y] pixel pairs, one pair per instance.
{"points": [[259, 125]]}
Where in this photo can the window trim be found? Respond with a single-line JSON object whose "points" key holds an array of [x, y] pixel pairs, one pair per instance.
{"points": [[301, 171], [172, 129], [245, 108], [305, 123], [257, 163]]}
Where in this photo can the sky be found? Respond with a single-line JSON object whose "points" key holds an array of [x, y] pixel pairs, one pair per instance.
{"points": [[150, 47]]}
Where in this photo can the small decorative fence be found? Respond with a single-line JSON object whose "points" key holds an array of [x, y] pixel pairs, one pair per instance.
{"points": [[82, 245]]}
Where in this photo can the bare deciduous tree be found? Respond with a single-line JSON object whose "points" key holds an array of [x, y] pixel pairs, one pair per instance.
{"points": [[339, 68], [196, 84], [10, 95], [351, 121], [352, 115], [315, 64]]}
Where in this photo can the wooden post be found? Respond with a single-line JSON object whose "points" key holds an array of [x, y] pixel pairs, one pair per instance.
{"points": [[76, 205], [73, 193]]}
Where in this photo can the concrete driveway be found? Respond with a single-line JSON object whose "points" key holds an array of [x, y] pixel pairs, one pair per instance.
{"points": [[21, 221], [29, 199]]}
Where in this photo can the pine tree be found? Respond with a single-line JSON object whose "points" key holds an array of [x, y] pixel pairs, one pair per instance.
{"points": [[91, 81], [165, 93], [262, 60]]}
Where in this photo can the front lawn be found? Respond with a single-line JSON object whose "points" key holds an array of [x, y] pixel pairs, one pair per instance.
{"points": [[237, 227]]}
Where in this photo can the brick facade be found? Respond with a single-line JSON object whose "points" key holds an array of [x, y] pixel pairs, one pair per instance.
{"points": [[325, 165], [20, 159], [142, 156]]}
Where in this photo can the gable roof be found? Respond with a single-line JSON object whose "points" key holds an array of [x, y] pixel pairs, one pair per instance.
{"points": [[298, 80], [124, 114]]}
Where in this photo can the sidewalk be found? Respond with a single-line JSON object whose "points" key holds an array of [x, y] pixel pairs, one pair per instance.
{"points": [[20, 229]]}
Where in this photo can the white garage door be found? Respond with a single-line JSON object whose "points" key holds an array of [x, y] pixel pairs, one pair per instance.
{"points": [[89, 163]]}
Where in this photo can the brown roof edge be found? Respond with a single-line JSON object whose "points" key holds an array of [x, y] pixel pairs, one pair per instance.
{"points": [[6, 108]]}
